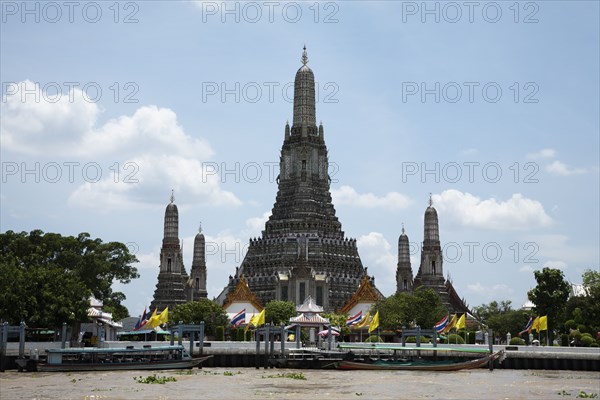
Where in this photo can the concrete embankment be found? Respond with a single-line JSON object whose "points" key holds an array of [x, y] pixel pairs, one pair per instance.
{"points": [[243, 354]]}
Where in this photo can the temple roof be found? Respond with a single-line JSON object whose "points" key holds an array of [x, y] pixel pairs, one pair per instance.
{"points": [[242, 293], [304, 320], [365, 293], [309, 306], [456, 301]]}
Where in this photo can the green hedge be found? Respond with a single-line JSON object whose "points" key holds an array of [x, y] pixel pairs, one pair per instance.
{"points": [[517, 341], [374, 338], [453, 338], [240, 335], [220, 333], [586, 340]]}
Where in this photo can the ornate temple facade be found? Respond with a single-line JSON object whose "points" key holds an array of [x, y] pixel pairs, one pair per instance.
{"points": [[431, 273], [174, 285], [302, 251]]}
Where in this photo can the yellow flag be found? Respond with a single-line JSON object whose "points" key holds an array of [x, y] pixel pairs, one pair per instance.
{"points": [[462, 322], [450, 324], [374, 323], [535, 326], [365, 321], [151, 323], [258, 319], [163, 318], [543, 323], [261, 318], [253, 320]]}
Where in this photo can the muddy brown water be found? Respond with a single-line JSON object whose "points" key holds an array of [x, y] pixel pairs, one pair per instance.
{"points": [[250, 383]]}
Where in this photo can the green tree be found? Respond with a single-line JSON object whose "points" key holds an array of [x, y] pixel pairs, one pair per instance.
{"points": [[423, 308], [585, 309], [205, 310], [501, 318], [485, 311], [591, 282], [47, 279], [278, 312], [550, 295], [339, 321]]}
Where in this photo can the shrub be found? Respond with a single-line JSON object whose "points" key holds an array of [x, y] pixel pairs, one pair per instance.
{"points": [[220, 333], [564, 340], [454, 339], [570, 324], [517, 341], [411, 339], [240, 335], [582, 328], [575, 335], [586, 340], [248, 335], [374, 338]]}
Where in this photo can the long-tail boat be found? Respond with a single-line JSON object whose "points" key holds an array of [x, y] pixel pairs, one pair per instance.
{"points": [[110, 359], [394, 363]]}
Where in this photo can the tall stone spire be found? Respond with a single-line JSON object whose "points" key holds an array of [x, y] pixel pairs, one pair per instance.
{"points": [[432, 229], [404, 275], [171, 231], [198, 272], [304, 121], [431, 273], [302, 251], [303, 202], [170, 288]]}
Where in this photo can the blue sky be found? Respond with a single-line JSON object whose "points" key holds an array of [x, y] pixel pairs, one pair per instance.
{"points": [[493, 109]]}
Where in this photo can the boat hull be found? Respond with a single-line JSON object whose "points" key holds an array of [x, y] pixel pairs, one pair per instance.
{"points": [[159, 365], [416, 366]]}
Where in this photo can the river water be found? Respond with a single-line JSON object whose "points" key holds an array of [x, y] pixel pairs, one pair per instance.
{"points": [[250, 383]]}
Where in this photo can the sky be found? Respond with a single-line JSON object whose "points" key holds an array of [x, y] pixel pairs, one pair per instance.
{"points": [[492, 107]]}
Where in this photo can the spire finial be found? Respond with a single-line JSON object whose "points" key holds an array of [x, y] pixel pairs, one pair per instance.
{"points": [[430, 200], [172, 195], [200, 228], [403, 228], [304, 56]]}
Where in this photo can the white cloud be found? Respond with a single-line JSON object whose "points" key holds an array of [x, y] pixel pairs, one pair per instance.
{"points": [[544, 153], [377, 254], [148, 261], [156, 175], [516, 213], [562, 169], [526, 269], [556, 264], [559, 247], [256, 225], [140, 158], [33, 123], [224, 252], [497, 291], [348, 196]]}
